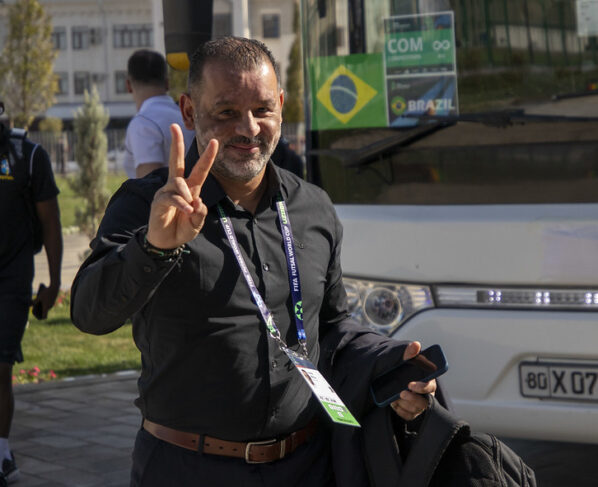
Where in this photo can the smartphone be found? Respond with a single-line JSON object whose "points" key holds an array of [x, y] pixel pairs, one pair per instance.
{"points": [[429, 364], [37, 305]]}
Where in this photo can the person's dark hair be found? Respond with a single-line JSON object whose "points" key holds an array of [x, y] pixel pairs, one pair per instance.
{"points": [[244, 54], [147, 67]]}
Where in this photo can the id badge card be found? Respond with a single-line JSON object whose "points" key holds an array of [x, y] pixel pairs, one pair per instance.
{"points": [[332, 404]]}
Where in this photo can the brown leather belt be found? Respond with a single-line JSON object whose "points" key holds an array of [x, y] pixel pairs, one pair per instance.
{"points": [[251, 451]]}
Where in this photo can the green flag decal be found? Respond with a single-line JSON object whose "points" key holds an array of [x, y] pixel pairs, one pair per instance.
{"points": [[348, 92]]}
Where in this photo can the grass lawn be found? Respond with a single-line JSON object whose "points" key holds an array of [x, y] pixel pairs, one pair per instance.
{"points": [[55, 349]]}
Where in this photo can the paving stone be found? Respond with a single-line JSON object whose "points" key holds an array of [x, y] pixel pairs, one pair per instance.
{"points": [[74, 478], [116, 441], [77, 433], [62, 442], [34, 466]]}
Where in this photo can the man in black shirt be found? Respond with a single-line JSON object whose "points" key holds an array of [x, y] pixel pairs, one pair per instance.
{"points": [[26, 186], [197, 255]]}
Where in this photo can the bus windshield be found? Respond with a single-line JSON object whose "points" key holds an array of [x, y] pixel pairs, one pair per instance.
{"points": [[452, 101]]}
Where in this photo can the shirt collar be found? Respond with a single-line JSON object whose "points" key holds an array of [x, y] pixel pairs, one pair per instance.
{"points": [[212, 193], [152, 100]]}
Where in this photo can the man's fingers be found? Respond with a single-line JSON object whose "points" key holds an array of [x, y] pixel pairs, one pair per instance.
{"points": [[179, 200], [412, 350], [176, 162], [410, 405], [423, 387], [202, 167]]}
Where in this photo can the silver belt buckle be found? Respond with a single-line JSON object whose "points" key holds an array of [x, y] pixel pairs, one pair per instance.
{"points": [[262, 443]]}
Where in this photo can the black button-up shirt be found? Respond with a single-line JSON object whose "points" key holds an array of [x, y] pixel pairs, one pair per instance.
{"points": [[208, 362]]}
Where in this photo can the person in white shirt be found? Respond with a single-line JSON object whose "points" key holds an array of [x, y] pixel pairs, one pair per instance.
{"points": [[147, 143]]}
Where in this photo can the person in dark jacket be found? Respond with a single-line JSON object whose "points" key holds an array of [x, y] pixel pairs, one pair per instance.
{"points": [[27, 187], [230, 270]]}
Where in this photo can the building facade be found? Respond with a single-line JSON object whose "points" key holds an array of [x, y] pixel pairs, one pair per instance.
{"points": [[94, 39]]}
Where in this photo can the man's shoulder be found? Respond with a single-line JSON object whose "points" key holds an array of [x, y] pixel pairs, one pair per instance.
{"points": [[30, 154], [159, 104], [23, 145], [295, 184], [143, 188], [157, 115]]}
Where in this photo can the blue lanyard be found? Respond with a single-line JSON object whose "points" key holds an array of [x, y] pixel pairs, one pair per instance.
{"points": [[293, 270]]}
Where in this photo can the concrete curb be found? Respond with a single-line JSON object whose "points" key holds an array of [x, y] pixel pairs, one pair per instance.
{"points": [[83, 380]]}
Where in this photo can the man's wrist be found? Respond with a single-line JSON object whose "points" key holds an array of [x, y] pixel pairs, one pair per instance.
{"points": [[157, 253]]}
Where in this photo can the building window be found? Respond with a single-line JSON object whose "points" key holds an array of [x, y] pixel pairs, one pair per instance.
{"points": [[223, 25], [80, 37], [59, 38], [95, 36], [62, 83], [132, 35], [271, 25], [120, 82], [81, 82]]}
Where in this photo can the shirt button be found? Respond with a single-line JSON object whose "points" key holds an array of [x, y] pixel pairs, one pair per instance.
{"points": [[266, 267], [274, 364], [274, 412], [147, 268]]}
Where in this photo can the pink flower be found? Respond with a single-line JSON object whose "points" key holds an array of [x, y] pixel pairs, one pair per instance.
{"points": [[52, 374]]}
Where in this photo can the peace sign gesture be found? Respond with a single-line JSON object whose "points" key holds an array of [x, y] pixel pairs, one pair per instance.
{"points": [[177, 213]]}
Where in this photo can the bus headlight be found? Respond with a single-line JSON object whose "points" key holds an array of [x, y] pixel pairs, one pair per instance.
{"points": [[385, 306]]}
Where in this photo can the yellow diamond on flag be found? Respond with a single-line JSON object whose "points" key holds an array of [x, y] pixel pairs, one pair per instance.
{"points": [[344, 94]]}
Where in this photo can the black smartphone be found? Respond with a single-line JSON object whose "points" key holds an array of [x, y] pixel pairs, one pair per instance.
{"points": [[37, 305], [429, 364]]}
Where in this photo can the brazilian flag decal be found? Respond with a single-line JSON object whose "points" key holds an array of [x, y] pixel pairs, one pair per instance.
{"points": [[348, 92]]}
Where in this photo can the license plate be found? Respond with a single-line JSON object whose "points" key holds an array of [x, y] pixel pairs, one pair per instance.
{"points": [[559, 380]]}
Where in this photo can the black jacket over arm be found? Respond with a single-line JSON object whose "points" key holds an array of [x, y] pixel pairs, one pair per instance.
{"points": [[351, 356]]}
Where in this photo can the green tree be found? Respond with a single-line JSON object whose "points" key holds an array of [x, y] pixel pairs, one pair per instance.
{"points": [[293, 101], [27, 80], [52, 125], [91, 146]]}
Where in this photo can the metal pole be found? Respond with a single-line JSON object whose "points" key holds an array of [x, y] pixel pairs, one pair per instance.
{"points": [[105, 45], [488, 32], [507, 28], [530, 46], [546, 37], [563, 33]]}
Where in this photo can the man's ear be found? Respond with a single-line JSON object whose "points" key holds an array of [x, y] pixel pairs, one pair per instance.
{"points": [[281, 101], [129, 87], [187, 111]]}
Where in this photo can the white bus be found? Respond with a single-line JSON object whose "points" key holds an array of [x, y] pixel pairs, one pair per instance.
{"points": [[458, 140]]}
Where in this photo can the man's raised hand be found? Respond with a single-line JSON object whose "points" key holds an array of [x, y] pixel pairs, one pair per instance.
{"points": [[177, 213]]}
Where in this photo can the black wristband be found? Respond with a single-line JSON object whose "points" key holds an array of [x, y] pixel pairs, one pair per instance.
{"points": [[163, 255]]}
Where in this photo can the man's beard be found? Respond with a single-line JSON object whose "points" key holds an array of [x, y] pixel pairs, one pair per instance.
{"points": [[240, 169]]}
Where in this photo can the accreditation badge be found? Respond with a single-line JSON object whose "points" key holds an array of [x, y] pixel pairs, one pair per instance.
{"points": [[332, 404]]}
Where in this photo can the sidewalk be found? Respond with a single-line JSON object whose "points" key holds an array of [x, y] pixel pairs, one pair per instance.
{"points": [[80, 432], [76, 433]]}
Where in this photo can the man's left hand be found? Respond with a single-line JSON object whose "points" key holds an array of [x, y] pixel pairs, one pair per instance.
{"points": [[46, 297], [413, 402]]}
